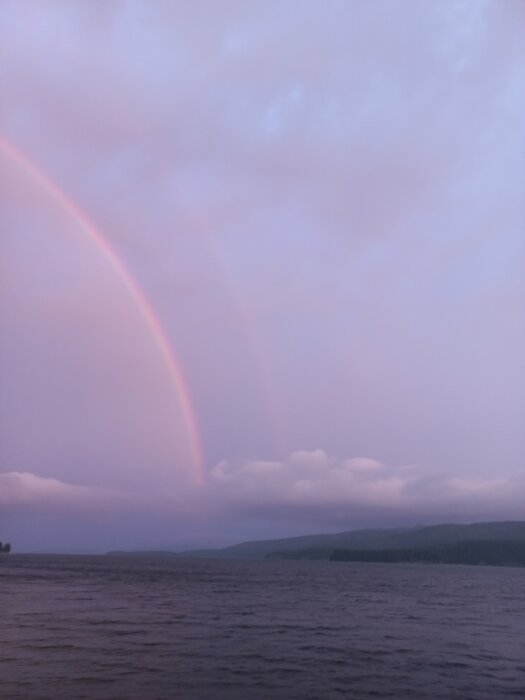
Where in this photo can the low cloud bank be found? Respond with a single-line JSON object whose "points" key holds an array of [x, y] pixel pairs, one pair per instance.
{"points": [[307, 487], [313, 483]]}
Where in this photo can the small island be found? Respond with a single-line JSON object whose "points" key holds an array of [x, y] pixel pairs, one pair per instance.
{"points": [[5, 548]]}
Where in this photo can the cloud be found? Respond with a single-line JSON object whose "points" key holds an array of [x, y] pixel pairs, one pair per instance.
{"points": [[27, 491], [313, 483]]}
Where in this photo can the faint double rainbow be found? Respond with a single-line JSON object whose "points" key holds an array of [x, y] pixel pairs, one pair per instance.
{"points": [[141, 301]]}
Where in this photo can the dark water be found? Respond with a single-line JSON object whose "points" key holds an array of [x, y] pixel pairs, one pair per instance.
{"points": [[99, 627]]}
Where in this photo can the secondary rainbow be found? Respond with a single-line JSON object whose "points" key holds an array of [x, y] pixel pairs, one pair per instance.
{"points": [[152, 321]]}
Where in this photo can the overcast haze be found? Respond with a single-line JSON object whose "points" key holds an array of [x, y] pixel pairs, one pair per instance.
{"points": [[261, 268]]}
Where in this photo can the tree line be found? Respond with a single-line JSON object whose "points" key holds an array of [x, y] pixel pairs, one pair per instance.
{"points": [[495, 553]]}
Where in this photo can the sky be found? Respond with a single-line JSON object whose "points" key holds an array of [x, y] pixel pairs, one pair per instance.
{"points": [[262, 268]]}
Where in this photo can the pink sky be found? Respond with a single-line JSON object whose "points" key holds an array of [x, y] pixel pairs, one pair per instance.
{"points": [[323, 205]]}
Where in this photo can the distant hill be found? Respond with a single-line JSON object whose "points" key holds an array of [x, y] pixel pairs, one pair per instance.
{"points": [[406, 539], [324, 546]]}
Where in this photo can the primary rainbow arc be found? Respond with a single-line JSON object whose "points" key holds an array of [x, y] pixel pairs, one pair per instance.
{"points": [[144, 306]]}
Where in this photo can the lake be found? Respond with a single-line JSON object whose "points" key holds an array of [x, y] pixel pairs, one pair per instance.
{"points": [[145, 628]]}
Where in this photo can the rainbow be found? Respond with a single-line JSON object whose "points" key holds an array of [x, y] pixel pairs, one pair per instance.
{"points": [[142, 303]]}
